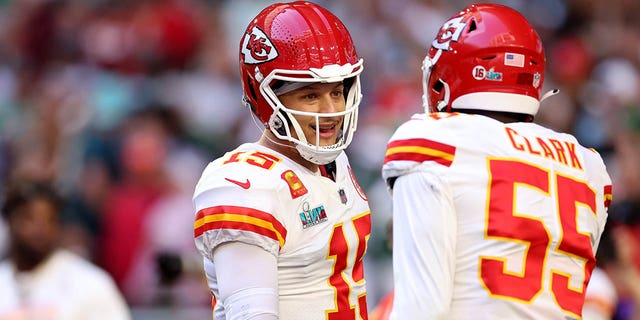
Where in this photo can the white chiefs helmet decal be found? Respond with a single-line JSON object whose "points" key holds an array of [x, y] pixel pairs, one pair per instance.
{"points": [[257, 47], [450, 31]]}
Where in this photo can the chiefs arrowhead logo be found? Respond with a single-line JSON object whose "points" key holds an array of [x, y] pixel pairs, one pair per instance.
{"points": [[257, 48], [450, 31]]}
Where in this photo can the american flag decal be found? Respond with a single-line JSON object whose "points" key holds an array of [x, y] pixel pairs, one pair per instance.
{"points": [[420, 150], [514, 59]]}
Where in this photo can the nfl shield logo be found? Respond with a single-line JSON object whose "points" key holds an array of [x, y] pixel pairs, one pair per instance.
{"points": [[343, 196]]}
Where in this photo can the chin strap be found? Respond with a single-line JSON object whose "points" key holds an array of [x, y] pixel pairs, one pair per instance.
{"points": [[427, 65], [549, 94], [442, 104]]}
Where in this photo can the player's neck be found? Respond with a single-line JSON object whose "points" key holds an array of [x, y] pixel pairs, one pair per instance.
{"points": [[504, 117], [286, 148]]}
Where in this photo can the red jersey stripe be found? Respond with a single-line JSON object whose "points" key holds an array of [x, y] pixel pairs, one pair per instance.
{"points": [[240, 226], [420, 150], [239, 218]]}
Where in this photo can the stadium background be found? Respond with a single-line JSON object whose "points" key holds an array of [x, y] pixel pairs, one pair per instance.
{"points": [[122, 103]]}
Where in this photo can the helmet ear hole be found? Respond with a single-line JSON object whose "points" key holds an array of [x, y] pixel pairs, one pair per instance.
{"points": [[252, 92], [278, 123], [437, 86], [252, 100]]}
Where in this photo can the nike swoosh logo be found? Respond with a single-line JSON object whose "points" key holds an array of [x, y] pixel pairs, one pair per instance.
{"points": [[243, 185]]}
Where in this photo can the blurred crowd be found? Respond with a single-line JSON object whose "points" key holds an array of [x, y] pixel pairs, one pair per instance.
{"points": [[120, 104]]}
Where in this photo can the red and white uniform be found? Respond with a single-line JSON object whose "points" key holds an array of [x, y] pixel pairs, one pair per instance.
{"points": [[492, 220], [315, 227]]}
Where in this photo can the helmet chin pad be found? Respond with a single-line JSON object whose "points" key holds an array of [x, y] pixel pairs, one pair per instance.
{"points": [[318, 155]]}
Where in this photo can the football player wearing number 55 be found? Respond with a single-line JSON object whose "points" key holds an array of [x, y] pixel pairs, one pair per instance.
{"points": [[282, 223], [495, 216]]}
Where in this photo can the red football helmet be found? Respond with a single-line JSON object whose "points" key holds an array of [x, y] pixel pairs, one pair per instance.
{"points": [[287, 45], [486, 57]]}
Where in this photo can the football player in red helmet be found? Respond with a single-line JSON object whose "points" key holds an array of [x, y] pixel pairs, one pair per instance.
{"points": [[485, 58], [278, 56], [495, 217], [282, 223]]}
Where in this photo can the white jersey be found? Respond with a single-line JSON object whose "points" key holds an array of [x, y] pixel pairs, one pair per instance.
{"points": [[492, 220], [317, 228], [64, 287]]}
